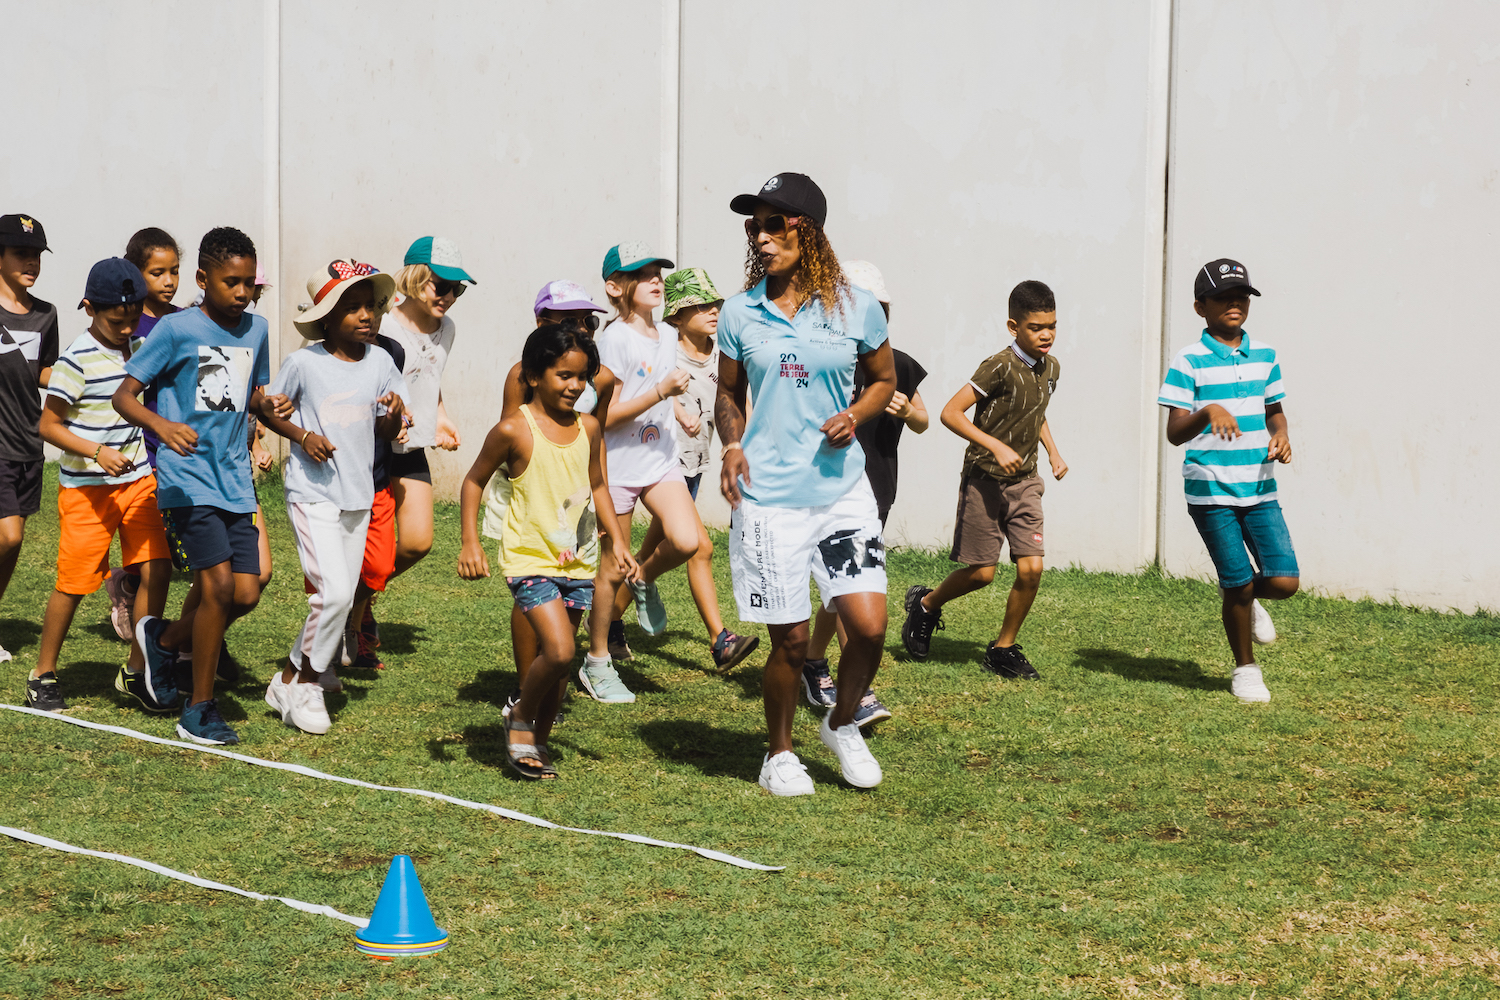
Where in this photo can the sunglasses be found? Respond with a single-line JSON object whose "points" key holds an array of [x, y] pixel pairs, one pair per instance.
{"points": [[442, 288], [589, 322], [776, 225]]}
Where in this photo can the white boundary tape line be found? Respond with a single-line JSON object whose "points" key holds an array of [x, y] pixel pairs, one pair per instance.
{"points": [[296, 904], [728, 859]]}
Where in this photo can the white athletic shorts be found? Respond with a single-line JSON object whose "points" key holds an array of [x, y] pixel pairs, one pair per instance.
{"points": [[774, 550]]}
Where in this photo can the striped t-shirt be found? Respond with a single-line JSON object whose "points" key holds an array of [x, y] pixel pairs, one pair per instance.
{"points": [[85, 376], [1243, 380]]}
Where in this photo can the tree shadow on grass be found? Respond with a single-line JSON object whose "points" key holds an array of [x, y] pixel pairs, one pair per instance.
{"points": [[18, 633], [717, 752], [1155, 669]]}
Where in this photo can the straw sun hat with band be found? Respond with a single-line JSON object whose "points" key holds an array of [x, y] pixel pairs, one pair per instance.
{"points": [[328, 285]]}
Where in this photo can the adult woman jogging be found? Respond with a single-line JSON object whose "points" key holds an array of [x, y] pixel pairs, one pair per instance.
{"points": [[430, 281], [794, 473]]}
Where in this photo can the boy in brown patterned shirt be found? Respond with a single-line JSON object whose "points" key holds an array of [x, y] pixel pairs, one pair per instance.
{"points": [[1000, 495]]}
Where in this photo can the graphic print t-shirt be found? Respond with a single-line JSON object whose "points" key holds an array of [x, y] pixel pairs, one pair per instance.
{"points": [[28, 343], [642, 451], [339, 400], [204, 375], [698, 401]]}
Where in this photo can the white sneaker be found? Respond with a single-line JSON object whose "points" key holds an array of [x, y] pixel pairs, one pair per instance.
{"points": [[1262, 629], [329, 681], [304, 708], [785, 775], [856, 763], [1248, 685], [5, 656], [276, 693]]}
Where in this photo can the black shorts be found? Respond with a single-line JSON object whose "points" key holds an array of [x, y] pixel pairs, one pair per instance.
{"points": [[411, 465], [200, 537], [20, 488]]}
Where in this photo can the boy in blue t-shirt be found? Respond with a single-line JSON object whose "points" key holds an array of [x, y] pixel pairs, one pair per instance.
{"points": [[1223, 394], [207, 366]]}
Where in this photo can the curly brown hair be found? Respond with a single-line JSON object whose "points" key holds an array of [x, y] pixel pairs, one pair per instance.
{"points": [[818, 270]]}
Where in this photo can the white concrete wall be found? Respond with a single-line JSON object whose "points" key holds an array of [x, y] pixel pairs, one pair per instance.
{"points": [[1348, 153]]}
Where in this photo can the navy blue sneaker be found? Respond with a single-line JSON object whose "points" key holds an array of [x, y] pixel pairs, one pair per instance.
{"points": [[817, 684], [161, 666], [135, 686], [870, 710], [202, 723]]}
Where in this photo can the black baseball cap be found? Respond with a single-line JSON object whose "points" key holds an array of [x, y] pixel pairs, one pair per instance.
{"points": [[1219, 276], [114, 281], [794, 193], [22, 231]]}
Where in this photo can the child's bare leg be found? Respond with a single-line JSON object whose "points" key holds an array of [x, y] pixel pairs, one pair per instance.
{"points": [[552, 700], [522, 643], [964, 580], [150, 599], [1276, 588], [55, 624], [826, 625], [864, 616], [606, 583], [700, 574], [779, 685], [226, 595], [1018, 603], [1236, 616], [264, 545], [670, 503], [554, 629], [413, 522], [12, 534]]}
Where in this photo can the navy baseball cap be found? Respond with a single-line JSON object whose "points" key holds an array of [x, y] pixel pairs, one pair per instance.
{"points": [[1220, 276], [114, 281], [22, 231], [792, 193]]}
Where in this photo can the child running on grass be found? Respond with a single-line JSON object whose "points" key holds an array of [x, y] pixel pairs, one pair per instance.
{"points": [[105, 485], [641, 433], [1000, 495], [879, 438], [28, 349], [345, 391], [1223, 394], [692, 309], [159, 259], [208, 365], [550, 549]]}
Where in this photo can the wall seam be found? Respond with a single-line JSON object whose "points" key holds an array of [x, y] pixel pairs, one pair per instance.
{"points": [[1163, 341], [1153, 312], [671, 125], [270, 249]]}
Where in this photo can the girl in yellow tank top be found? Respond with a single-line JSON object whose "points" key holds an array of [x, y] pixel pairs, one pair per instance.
{"points": [[551, 549]]}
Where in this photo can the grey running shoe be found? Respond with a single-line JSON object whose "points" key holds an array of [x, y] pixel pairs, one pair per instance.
{"points": [[602, 683], [650, 612], [870, 710], [817, 684]]}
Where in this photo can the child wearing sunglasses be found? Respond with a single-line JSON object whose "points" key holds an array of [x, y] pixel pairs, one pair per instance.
{"points": [[430, 282]]}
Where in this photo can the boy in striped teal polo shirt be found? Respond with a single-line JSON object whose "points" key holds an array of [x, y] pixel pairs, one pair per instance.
{"points": [[1223, 396]]}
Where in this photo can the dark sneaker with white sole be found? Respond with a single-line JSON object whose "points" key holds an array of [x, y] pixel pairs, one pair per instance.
{"points": [[916, 631], [817, 684], [729, 649], [161, 664], [1009, 661], [135, 686], [44, 693], [202, 723], [618, 648], [870, 710]]}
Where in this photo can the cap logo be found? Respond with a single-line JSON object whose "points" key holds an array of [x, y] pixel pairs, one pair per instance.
{"points": [[771, 185], [1223, 268], [27, 224]]}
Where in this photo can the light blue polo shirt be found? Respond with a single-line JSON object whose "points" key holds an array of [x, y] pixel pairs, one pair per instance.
{"points": [[1244, 380], [800, 373]]}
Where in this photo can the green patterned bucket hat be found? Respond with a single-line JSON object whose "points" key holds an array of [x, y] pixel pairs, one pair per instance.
{"points": [[690, 286]]}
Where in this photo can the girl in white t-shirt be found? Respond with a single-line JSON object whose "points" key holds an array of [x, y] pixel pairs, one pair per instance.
{"points": [[640, 432], [430, 282]]}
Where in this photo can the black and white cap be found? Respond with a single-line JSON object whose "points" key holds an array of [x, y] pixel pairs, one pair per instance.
{"points": [[1220, 276], [792, 193]]}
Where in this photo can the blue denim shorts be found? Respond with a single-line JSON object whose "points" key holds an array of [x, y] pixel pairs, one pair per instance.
{"points": [[534, 591], [693, 482], [1230, 531]]}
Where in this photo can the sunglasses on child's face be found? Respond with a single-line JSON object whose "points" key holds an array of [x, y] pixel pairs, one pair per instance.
{"points": [[776, 225], [589, 322], [442, 289]]}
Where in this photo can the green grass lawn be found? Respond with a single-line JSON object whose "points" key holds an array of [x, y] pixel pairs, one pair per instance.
{"points": [[1122, 828]]}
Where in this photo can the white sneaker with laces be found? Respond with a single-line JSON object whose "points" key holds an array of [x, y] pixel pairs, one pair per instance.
{"points": [[856, 763], [304, 708], [1248, 685], [1262, 629], [784, 774]]}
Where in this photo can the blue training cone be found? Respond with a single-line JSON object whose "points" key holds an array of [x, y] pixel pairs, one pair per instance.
{"points": [[402, 923]]}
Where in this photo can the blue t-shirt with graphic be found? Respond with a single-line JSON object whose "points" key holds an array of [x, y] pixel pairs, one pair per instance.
{"points": [[204, 375], [800, 373]]}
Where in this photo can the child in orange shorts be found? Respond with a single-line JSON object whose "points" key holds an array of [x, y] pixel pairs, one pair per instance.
{"points": [[106, 486]]}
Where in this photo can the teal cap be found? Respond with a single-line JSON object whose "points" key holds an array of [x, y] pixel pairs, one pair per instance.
{"points": [[631, 257], [441, 255]]}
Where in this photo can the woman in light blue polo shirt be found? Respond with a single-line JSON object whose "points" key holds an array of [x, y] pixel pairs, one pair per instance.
{"points": [[794, 472]]}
